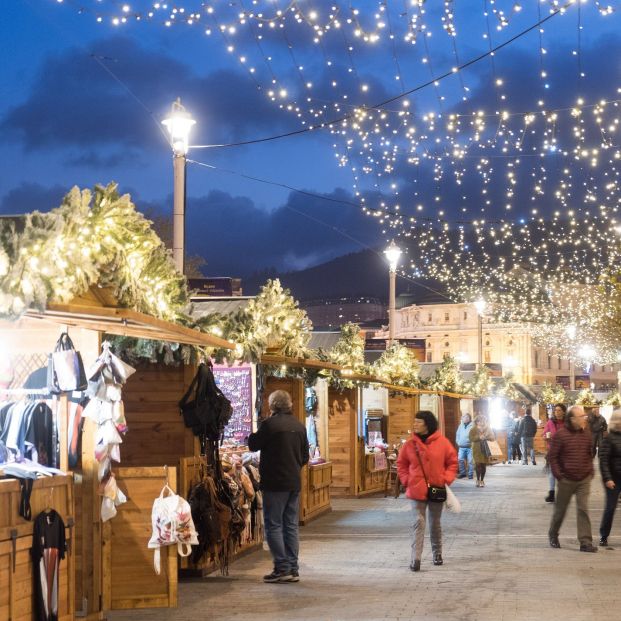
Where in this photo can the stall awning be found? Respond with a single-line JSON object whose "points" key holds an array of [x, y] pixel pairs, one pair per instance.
{"points": [[526, 392], [307, 363], [126, 322]]}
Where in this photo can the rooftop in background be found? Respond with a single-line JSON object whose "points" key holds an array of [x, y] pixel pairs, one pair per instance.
{"points": [[204, 306]]}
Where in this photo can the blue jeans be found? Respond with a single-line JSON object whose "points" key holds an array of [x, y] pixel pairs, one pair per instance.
{"points": [[612, 497], [281, 515], [527, 448], [465, 454]]}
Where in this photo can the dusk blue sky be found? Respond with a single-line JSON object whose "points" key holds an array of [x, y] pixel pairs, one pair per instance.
{"points": [[82, 104]]}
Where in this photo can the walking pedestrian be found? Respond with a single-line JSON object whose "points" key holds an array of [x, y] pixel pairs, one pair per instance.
{"points": [[599, 429], [282, 440], [480, 432], [572, 464], [513, 438], [426, 459], [552, 426], [610, 468], [528, 430], [464, 446]]}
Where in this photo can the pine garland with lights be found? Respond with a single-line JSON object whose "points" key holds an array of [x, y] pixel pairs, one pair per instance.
{"points": [[272, 319], [505, 388], [447, 377], [349, 349], [586, 397], [481, 384], [614, 399], [397, 365], [93, 238], [551, 394]]}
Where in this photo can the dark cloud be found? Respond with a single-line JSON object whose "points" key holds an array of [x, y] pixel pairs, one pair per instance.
{"points": [[76, 102], [238, 238], [30, 197], [94, 159]]}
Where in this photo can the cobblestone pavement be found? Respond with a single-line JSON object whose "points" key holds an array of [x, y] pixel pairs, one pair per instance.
{"points": [[354, 565]]}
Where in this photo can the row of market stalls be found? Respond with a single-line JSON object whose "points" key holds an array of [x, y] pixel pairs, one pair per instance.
{"points": [[346, 425], [97, 461]]}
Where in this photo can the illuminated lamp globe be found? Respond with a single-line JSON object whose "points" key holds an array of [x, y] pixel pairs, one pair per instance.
{"points": [[393, 252], [179, 124], [480, 305]]}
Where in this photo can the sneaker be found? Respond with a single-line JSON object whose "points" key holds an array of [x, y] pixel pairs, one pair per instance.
{"points": [[482, 484], [295, 576], [461, 476], [278, 576], [470, 476], [554, 542], [437, 559], [550, 496], [588, 547], [415, 566], [603, 541]]}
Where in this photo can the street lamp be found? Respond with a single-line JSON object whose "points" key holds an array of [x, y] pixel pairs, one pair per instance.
{"points": [[571, 330], [179, 124], [480, 306], [393, 252]]}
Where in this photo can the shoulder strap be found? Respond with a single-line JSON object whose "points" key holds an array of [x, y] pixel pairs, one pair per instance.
{"points": [[420, 461], [198, 377]]}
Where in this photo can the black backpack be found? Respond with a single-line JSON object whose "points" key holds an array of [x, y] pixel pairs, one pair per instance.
{"points": [[205, 409]]}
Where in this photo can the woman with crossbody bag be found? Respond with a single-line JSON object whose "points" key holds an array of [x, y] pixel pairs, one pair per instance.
{"points": [[427, 463]]}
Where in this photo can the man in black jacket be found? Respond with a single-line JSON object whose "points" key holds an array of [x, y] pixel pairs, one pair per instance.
{"points": [[528, 430], [284, 450]]}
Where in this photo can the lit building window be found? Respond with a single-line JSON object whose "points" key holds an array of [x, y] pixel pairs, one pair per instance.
{"points": [[446, 316], [488, 357], [429, 356]]}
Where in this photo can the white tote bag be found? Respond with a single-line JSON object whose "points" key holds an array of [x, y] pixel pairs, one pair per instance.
{"points": [[171, 519], [452, 502]]}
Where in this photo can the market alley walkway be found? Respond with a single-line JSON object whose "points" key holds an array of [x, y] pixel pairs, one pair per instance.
{"points": [[354, 565]]}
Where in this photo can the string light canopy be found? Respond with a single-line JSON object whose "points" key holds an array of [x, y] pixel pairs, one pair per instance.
{"points": [[498, 193]]}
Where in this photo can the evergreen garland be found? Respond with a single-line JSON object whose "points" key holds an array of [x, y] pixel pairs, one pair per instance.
{"points": [[614, 399], [349, 349], [551, 394], [481, 384], [93, 238], [586, 397], [397, 365], [447, 377]]}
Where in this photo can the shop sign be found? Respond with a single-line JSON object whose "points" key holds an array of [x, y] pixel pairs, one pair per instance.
{"points": [[375, 345], [211, 287], [583, 381]]}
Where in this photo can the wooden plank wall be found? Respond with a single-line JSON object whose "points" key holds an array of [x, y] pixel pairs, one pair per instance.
{"points": [[452, 417], [130, 580], [342, 434], [401, 410], [156, 434]]}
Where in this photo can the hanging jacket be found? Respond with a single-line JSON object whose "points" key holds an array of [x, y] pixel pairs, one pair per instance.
{"points": [[610, 458], [438, 458]]}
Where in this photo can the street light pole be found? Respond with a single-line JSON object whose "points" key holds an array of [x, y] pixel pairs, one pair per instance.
{"points": [[178, 125], [480, 306], [393, 252]]}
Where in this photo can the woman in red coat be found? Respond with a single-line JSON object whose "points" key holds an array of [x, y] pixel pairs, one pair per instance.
{"points": [[428, 447]]}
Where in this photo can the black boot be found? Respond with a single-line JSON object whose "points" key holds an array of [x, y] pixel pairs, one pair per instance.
{"points": [[550, 496]]}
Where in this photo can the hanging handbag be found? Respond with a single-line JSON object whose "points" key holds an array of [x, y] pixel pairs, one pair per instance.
{"points": [[65, 367], [487, 453], [435, 493]]}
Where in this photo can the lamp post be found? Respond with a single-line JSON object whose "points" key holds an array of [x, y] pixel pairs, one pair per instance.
{"points": [[393, 252], [571, 333], [480, 306], [178, 125]]}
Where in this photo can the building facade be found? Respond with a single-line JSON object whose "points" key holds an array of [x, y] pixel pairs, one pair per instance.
{"points": [[453, 330]]}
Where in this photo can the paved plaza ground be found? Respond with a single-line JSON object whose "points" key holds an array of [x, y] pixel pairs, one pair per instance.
{"points": [[354, 565]]}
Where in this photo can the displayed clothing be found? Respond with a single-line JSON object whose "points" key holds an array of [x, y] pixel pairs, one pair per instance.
{"points": [[27, 430], [48, 549]]}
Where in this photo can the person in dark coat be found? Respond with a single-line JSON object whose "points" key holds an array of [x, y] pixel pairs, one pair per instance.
{"points": [[283, 443], [610, 467], [572, 464], [528, 430], [599, 429]]}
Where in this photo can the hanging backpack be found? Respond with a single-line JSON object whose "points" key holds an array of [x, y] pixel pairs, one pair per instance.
{"points": [[205, 409], [171, 519]]}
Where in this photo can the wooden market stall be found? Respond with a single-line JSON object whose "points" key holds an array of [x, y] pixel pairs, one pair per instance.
{"points": [[317, 476], [103, 555]]}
